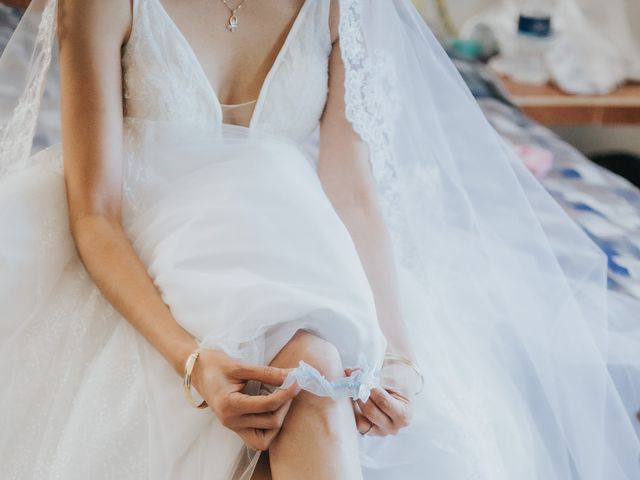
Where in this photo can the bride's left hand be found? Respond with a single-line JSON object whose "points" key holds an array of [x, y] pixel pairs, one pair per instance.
{"points": [[385, 413]]}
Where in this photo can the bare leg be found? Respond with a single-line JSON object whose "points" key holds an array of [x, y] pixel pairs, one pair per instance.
{"points": [[318, 440], [263, 470]]}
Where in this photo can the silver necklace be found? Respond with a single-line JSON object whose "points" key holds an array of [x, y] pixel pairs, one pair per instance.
{"points": [[232, 26]]}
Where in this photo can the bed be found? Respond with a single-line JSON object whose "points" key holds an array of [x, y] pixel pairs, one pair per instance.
{"points": [[605, 205]]}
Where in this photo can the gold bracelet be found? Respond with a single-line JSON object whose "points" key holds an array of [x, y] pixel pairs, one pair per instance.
{"points": [[188, 370], [402, 359]]}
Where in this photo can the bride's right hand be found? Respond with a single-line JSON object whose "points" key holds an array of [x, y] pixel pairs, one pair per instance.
{"points": [[257, 419]]}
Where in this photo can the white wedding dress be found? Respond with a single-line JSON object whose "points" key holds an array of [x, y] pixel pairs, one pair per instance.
{"points": [[239, 237]]}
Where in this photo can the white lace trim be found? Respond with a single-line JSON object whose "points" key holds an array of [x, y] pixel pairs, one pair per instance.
{"points": [[370, 90], [372, 106]]}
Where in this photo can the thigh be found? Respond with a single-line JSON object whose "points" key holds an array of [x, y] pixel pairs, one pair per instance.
{"points": [[263, 470], [319, 437]]}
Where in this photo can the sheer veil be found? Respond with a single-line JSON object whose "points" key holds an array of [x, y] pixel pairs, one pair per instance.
{"points": [[536, 363], [500, 263], [29, 105]]}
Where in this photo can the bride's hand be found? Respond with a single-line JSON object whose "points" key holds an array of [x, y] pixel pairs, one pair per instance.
{"points": [[385, 413], [257, 419]]}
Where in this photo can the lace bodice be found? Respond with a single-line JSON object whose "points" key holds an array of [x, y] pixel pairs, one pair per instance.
{"points": [[164, 81]]}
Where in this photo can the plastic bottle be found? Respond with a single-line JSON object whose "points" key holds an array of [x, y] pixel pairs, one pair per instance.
{"points": [[535, 34]]}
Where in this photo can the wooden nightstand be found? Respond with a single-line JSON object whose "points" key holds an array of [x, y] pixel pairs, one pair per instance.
{"points": [[550, 106]]}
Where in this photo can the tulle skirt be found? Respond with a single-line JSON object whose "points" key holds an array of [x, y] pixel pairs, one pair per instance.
{"points": [[246, 249]]}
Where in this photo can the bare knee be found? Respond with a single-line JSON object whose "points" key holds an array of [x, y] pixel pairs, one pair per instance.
{"points": [[315, 351], [311, 413]]}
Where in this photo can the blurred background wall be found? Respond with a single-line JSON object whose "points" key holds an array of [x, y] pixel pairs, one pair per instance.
{"points": [[461, 10]]}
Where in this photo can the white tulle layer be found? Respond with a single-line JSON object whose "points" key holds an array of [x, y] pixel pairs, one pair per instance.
{"points": [[246, 249], [243, 244], [532, 370]]}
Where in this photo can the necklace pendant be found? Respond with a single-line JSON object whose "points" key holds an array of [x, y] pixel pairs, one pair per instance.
{"points": [[233, 24]]}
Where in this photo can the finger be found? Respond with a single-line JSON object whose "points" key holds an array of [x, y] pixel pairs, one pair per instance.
{"points": [[362, 423], [398, 395], [397, 408], [263, 421], [258, 439], [261, 373], [392, 407], [378, 432], [375, 415], [238, 403], [366, 428], [405, 418]]}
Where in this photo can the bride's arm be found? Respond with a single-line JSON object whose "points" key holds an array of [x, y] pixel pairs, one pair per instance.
{"points": [[345, 171], [91, 36], [347, 178]]}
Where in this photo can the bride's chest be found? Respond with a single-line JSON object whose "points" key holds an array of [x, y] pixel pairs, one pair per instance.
{"points": [[163, 80]]}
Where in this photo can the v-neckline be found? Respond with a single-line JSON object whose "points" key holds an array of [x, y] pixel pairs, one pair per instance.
{"points": [[267, 80]]}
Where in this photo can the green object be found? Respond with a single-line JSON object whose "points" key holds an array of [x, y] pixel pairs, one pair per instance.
{"points": [[471, 49]]}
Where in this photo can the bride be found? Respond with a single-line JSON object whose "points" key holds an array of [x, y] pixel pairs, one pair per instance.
{"points": [[296, 207]]}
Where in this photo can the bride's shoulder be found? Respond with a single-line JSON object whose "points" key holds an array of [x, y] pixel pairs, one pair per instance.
{"points": [[88, 21]]}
